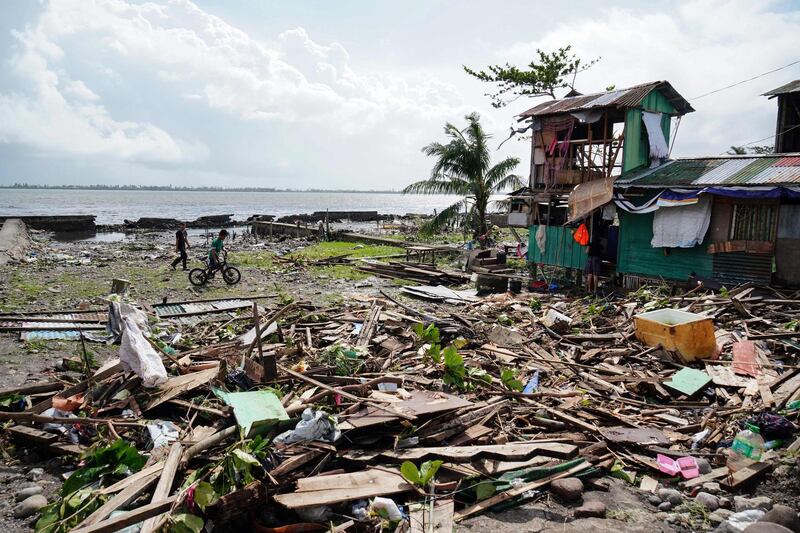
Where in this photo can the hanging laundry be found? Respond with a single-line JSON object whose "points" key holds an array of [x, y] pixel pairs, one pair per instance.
{"points": [[681, 227], [658, 144], [581, 235]]}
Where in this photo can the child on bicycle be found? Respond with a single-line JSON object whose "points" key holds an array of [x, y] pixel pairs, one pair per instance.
{"points": [[217, 246]]}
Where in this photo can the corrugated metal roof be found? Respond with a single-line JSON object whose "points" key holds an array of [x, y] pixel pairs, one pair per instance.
{"points": [[778, 169], [630, 97], [791, 87]]}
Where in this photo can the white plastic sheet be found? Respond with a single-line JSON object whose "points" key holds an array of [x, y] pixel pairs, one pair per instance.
{"points": [[681, 227], [138, 356], [314, 425]]}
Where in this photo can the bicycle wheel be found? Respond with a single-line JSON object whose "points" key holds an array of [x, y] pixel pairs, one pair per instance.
{"points": [[197, 277], [231, 275]]}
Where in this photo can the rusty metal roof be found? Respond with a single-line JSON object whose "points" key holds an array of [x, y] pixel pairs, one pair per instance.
{"points": [[619, 98], [734, 170], [791, 87]]}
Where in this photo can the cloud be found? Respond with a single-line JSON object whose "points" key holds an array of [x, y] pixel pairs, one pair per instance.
{"points": [[61, 115], [700, 46], [205, 62]]}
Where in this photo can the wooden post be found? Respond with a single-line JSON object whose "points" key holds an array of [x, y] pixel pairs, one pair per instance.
{"points": [[270, 229], [268, 362], [605, 139], [327, 227], [120, 286], [297, 228]]}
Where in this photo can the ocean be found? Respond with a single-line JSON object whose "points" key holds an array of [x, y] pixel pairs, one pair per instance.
{"points": [[113, 207]]}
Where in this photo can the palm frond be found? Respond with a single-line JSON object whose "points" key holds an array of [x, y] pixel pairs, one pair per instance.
{"points": [[444, 218], [439, 186], [500, 172], [512, 181]]}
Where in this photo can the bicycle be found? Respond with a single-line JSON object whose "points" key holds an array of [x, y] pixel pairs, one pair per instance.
{"points": [[200, 276]]}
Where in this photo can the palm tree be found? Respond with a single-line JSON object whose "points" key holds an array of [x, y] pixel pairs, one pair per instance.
{"points": [[463, 167]]}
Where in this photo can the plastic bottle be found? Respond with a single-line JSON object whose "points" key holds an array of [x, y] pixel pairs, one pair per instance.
{"points": [[746, 449]]}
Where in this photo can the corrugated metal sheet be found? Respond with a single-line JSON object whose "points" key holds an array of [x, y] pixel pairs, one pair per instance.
{"points": [[791, 87], [630, 97], [731, 170], [560, 248], [49, 336], [168, 310], [740, 267]]}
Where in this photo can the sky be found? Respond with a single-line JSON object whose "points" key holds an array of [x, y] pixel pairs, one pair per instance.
{"points": [[343, 95]]}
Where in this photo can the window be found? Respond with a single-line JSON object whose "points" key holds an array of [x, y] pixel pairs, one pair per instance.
{"points": [[754, 222]]}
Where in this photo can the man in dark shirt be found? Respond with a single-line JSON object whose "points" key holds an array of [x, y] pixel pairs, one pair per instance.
{"points": [[181, 245], [593, 264]]}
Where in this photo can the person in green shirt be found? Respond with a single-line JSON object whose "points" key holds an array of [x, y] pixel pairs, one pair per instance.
{"points": [[217, 245]]}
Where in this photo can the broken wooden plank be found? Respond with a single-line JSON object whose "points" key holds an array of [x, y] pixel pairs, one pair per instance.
{"points": [[514, 451], [326, 490], [176, 386], [746, 475], [131, 517], [641, 436], [164, 485]]}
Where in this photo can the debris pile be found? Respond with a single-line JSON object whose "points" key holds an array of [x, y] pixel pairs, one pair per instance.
{"points": [[254, 414]]}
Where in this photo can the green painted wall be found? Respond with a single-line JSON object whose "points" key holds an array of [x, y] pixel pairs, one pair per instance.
{"points": [[636, 256], [635, 150], [560, 248]]}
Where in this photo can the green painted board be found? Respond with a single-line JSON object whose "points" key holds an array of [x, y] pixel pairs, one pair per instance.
{"points": [[560, 248], [688, 381], [636, 256], [636, 147], [256, 412]]}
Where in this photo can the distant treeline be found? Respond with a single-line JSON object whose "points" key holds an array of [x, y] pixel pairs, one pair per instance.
{"points": [[174, 188]]}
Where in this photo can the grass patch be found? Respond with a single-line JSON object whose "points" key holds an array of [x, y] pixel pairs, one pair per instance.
{"points": [[263, 260], [324, 250], [339, 272]]}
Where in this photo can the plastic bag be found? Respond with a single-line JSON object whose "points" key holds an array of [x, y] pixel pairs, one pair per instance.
{"points": [[138, 356], [314, 425], [581, 235]]}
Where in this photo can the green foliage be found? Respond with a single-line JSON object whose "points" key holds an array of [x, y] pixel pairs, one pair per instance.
{"points": [[552, 71], [428, 334], [505, 320], [422, 476], [510, 381], [535, 304], [9, 399], [724, 292], [118, 459], [454, 369], [204, 495], [185, 523], [78, 497], [463, 167], [347, 360]]}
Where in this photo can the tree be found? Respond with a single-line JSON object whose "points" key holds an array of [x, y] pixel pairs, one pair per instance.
{"points": [[554, 70], [758, 150], [463, 167]]}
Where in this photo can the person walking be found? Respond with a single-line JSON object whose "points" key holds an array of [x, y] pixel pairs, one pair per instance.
{"points": [[181, 245]]}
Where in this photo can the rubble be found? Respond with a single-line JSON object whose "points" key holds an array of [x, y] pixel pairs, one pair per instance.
{"points": [[374, 412]]}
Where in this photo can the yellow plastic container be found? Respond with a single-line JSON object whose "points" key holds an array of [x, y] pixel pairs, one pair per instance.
{"points": [[689, 334]]}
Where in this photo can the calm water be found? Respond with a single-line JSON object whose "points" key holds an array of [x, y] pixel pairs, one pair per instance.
{"points": [[112, 207]]}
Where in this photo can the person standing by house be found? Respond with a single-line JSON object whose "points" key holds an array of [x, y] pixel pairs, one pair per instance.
{"points": [[593, 264], [181, 245]]}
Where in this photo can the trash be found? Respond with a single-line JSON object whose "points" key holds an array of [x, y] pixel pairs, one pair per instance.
{"points": [[746, 449], [685, 466], [256, 412], [163, 433], [137, 355], [387, 508], [688, 381], [314, 425]]}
